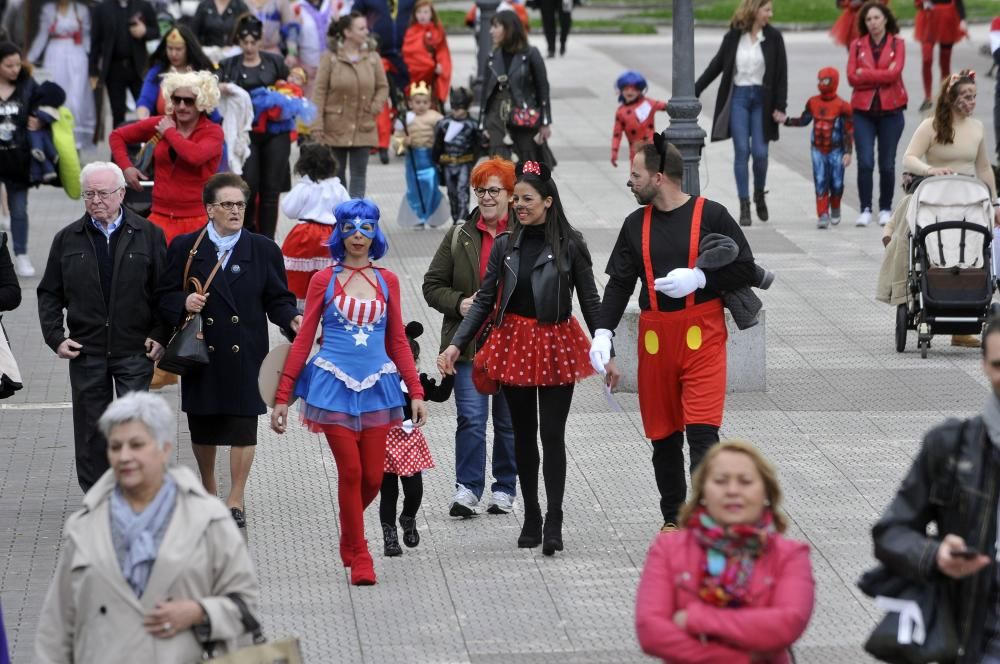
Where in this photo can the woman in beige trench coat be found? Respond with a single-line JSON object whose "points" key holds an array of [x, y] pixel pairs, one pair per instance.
{"points": [[146, 565], [351, 89]]}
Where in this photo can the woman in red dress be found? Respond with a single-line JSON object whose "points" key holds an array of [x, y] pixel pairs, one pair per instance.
{"points": [[426, 53], [940, 22]]}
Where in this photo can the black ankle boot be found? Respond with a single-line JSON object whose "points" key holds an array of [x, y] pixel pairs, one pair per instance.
{"points": [[392, 547], [411, 537], [758, 201], [531, 530], [552, 533], [745, 212]]}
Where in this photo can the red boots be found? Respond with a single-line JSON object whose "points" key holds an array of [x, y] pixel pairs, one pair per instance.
{"points": [[362, 568]]}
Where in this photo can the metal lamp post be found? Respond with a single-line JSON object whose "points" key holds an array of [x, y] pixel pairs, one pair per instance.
{"points": [[684, 107]]}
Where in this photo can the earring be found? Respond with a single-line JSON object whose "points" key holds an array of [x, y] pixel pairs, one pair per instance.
{"points": [[767, 503]]}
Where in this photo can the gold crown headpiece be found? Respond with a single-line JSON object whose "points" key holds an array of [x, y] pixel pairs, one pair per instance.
{"points": [[174, 38], [420, 88]]}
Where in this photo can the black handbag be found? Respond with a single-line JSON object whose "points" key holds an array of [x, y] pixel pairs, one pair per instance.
{"points": [[187, 348], [919, 624]]}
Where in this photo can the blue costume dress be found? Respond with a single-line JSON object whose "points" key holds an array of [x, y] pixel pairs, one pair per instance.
{"points": [[350, 381]]}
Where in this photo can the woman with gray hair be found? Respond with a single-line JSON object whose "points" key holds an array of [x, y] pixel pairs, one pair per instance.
{"points": [[148, 564], [188, 150]]}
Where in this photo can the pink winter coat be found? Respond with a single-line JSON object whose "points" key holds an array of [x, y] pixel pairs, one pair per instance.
{"points": [[781, 591]]}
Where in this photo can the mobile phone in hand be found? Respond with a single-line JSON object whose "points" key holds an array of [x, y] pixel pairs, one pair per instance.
{"points": [[967, 553]]}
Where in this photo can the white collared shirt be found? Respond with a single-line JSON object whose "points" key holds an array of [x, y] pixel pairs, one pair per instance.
{"points": [[112, 227], [749, 60]]}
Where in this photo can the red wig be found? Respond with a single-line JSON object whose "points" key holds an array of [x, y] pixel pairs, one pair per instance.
{"points": [[501, 168]]}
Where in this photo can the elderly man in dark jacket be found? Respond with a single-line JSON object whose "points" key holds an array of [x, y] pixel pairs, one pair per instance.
{"points": [[954, 483], [102, 271]]}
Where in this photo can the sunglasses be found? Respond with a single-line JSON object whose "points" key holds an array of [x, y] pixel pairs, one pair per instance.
{"points": [[182, 101]]}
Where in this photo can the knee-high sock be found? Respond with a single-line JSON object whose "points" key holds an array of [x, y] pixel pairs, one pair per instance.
{"points": [[944, 57]]}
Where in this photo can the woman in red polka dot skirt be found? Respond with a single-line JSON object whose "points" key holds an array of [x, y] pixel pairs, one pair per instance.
{"points": [[537, 350]]}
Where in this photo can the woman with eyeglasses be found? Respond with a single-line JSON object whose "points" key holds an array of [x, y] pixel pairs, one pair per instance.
{"points": [[266, 171], [450, 286], [187, 152], [221, 399]]}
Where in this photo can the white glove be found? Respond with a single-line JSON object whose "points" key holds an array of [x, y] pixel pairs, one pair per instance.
{"points": [[600, 350], [680, 282]]}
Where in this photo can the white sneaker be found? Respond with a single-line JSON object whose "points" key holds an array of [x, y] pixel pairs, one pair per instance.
{"points": [[865, 218], [883, 217], [464, 503], [502, 503], [23, 266]]}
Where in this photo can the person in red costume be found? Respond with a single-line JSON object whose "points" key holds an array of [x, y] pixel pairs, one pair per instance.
{"points": [[635, 117], [845, 29], [426, 52], [350, 389], [729, 587], [832, 141], [940, 22]]}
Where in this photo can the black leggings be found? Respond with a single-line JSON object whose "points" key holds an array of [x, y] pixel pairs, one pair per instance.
{"points": [[552, 9], [525, 403], [668, 465], [413, 494]]}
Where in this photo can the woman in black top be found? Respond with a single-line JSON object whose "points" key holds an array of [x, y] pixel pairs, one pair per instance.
{"points": [[16, 89], [516, 80], [266, 171], [537, 351], [215, 21]]}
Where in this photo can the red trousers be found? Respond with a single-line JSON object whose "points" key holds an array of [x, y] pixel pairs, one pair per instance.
{"points": [[360, 457]]}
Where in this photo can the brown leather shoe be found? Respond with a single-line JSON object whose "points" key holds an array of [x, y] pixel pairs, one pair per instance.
{"points": [[965, 340], [669, 527]]}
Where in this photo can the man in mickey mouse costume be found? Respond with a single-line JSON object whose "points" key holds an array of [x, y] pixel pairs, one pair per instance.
{"points": [[682, 328]]}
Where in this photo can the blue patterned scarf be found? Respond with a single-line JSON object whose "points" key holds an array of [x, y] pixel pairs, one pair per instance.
{"points": [[138, 536]]}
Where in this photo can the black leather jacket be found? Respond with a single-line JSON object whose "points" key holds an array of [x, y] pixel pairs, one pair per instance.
{"points": [[527, 80], [952, 482], [552, 289]]}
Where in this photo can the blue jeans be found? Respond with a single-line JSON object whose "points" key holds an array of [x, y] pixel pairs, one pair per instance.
{"points": [[887, 130], [746, 126], [470, 437], [17, 200]]}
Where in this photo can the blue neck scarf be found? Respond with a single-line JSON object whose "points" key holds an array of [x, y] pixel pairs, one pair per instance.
{"points": [[223, 244], [140, 534]]}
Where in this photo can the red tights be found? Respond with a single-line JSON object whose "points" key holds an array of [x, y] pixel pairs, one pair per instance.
{"points": [[360, 457], [927, 62]]}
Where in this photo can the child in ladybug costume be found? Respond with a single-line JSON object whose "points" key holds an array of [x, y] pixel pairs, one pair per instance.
{"points": [[635, 117], [832, 141]]}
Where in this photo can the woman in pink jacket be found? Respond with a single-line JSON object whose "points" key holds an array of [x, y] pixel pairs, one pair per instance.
{"points": [[728, 587]]}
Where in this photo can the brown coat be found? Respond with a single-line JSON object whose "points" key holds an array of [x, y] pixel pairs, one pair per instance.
{"points": [[348, 96]]}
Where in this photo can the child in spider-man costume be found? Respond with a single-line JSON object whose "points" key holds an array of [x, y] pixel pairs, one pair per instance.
{"points": [[634, 116], [832, 141]]}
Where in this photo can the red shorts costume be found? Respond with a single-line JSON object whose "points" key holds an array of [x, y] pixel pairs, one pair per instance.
{"points": [[682, 354]]}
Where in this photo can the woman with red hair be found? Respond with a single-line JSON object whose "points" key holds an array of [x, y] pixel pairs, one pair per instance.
{"points": [[426, 53], [450, 286]]}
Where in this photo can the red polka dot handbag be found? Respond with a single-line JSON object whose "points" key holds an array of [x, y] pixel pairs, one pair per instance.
{"points": [[480, 380]]}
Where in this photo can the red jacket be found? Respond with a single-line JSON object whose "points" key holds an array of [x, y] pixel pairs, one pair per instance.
{"points": [[178, 180], [781, 591], [424, 47], [877, 77]]}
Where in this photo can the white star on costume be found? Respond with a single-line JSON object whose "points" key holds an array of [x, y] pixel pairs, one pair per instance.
{"points": [[360, 339]]}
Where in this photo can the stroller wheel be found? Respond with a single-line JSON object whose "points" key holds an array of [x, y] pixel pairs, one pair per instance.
{"points": [[902, 322], [923, 346]]}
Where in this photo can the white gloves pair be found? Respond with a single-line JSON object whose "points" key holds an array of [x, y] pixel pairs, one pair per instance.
{"points": [[600, 350], [680, 282]]}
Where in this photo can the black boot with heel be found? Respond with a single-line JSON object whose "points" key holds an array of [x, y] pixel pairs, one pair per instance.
{"points": [[531, 529], [760, 204], [552, 533], [745, 212]]}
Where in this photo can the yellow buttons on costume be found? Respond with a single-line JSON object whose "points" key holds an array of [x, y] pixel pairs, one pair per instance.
{"points": [[652, 342], [694, 337]]}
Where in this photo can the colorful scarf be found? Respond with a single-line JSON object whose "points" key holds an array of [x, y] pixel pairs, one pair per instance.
{"points": [[137, 536], [730, 555]]}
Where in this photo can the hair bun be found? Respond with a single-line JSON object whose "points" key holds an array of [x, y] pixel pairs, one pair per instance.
{"points": [[537, 169]]}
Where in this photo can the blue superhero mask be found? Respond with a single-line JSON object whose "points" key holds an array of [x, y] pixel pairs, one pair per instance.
{"points": [[366, 227]]}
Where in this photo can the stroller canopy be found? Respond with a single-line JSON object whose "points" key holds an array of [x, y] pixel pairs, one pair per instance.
{"points": [[951, 198]]}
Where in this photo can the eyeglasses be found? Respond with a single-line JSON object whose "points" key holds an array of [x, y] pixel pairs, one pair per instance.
{"points": [[492, 191], [229, 205], [104, 195], [182, 101]]}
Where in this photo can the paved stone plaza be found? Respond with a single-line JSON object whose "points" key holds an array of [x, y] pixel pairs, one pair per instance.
{"points": [[841, 418]]}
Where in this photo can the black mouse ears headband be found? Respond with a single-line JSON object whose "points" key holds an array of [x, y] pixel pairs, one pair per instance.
{"points": [[414, 329], [534, 168], [249, 26], [661, 144]]}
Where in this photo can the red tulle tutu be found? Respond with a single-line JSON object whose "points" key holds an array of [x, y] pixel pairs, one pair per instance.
{"points": [[406, 453], [524, 352], [174, 226], [305, 253], [845, 28], [940, 25]]}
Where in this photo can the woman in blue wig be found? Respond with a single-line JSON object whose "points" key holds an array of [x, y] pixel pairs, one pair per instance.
{"points": [[351, 387]]}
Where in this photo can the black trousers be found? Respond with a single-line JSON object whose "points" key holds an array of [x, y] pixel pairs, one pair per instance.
{"points": [[551, 9], [525, 404], [413, 495], [122, 77], [668, 465], [94, 381], [266, 173], [456, 179]]}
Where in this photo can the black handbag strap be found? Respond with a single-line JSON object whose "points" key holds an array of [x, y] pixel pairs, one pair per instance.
{"points": [[250, 623]]}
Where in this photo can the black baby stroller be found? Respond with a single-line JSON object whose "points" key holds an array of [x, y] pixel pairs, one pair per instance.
{"points": [[950, 280]]}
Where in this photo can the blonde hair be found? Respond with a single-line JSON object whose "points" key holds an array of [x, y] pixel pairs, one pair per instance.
{"points": [[772, 489], [204, 84], [746, 14]]}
